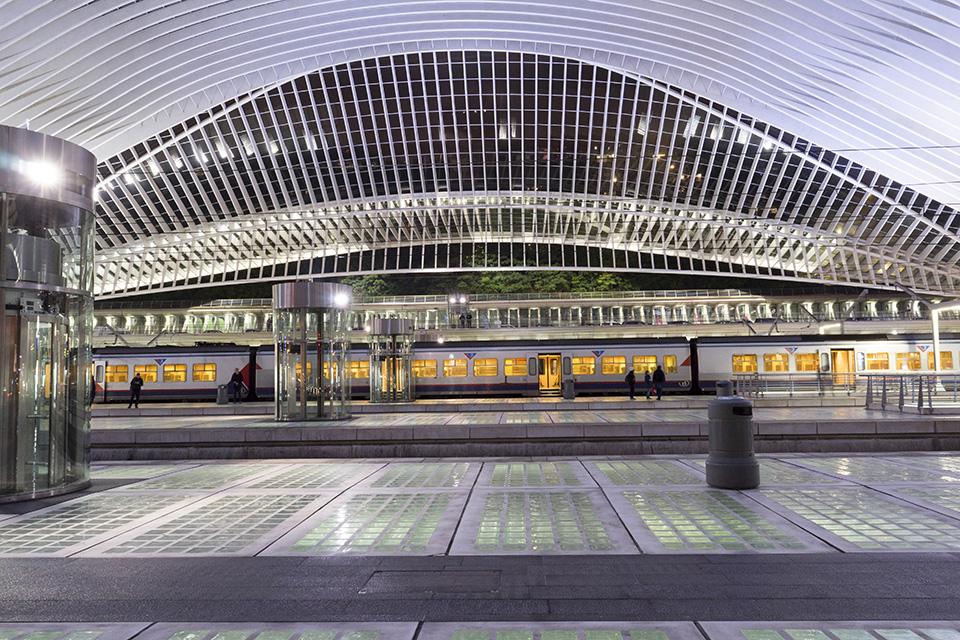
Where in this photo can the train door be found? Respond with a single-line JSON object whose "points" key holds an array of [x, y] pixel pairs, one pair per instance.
{"points": [[549, 368], [844, 367]]}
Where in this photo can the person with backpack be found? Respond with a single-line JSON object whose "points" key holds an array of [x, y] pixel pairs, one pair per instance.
{"points": [[631, 380], [659, 377]]}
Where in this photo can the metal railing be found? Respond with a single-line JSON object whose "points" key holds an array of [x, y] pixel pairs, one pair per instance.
{"points": [[755, 385], [925, 393]]}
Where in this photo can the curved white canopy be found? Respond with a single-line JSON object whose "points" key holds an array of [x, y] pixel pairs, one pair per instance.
{"points": [[876, 82]]}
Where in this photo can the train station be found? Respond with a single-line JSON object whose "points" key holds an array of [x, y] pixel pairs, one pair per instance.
{"points": [[217, 423]]}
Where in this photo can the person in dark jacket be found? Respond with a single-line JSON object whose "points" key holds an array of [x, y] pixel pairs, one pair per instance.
{"points": [[647, 382], [236, 381], [659, 377], [631, 380], [135, 386]]}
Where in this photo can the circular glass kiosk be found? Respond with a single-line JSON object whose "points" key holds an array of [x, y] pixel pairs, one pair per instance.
{"points": [[46, 281], [391, 360], [312, 336]]}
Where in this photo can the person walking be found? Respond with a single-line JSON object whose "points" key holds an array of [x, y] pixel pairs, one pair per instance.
{"points": [[647, 383], [631, 379], [659, 377], [135, 386], [236, 380]]}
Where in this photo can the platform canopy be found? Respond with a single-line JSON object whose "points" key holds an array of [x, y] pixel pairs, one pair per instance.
{"points": [[245, 140]]}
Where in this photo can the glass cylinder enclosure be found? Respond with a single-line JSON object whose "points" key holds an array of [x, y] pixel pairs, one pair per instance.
{"points": [[391, 360], [312, 336], [46, 282]]}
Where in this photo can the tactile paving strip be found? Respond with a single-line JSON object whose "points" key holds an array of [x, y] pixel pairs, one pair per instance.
{"points": [[72, 526], [69, 631], [240, 524], [873, 470], [534, 474], [123, 471], [315, 476], [426, 475], [540, 522], [707, 521], [861, 520], [280, 631], [644, 472], [560, 631], [898, 630], [378, 523], [207, 477]]}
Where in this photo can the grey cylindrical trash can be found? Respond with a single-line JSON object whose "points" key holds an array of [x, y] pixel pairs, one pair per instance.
{"points": [[222, 396], [569, 389], [731, 463]]}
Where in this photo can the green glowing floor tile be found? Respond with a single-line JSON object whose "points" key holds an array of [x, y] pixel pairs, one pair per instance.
{"points": [[874, 470], [949, 464], [318, 475], [540, 522], [559, 631], [377, 523], [133, 471], [69, 631], [707, 520], [644, 472], [534, 475], [425, 475], [862, 520], [938, 630], [280, 631], [207, 477]]}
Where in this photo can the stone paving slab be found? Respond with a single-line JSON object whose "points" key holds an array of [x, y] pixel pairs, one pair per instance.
{"points": [[560, 631], [890, 630]]}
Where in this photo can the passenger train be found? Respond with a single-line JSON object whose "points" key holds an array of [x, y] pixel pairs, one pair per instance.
{"points": [[533, 368]]}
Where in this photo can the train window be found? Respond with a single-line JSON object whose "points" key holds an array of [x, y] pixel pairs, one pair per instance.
{"points": [[98, 373], [326, 370], [584, 366], [532, 366], [206, 372], [174, 373], [946, 360], [515, 366], [878, 361], [300, 370], [644, 363], [116, 373], [485, 367], [744, 363], [566, 366], [455, 368], [147, 371], [613, 364], [424, 368], [360, 369], [669, 364], [776, 362], [908, 361], [807, 362]]}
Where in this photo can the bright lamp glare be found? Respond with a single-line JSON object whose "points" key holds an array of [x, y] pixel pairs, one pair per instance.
{"points": [[42, 173], [341, 300]]}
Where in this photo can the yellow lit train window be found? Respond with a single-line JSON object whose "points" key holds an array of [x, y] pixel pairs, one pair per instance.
{"points": [[206, 372], [326, 370], [517, 366], [174, 373], [878, 361], [455, 368], [645, 363], [485, 367], [946, 360], [669, 364], [360, 369], [807, 362], [147, 371], [776, 362], [116, 373], [613, 364], [309, 370], [424, 368], [585, 366], [744, 363], [908, 361]]}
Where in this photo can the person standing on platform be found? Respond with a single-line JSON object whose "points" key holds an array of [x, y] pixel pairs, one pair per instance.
{"points": [[236, 380], [647, 382], [631, 380], [658, 379], [135, 386]]}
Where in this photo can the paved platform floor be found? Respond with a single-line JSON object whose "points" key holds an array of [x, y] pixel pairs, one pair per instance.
{"points": [[829, 547]]}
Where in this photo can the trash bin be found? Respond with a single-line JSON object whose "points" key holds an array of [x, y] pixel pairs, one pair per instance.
{"points": [[222, 396], [569, 389], [731, 463]]}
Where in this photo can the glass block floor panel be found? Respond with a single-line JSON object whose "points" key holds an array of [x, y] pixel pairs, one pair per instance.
{"points": [[780, 472], [241, 524], [874, 470], [314, 476], [643, 472], [894, 630], [525, 417], [425, 475], [481, 417], [134, 471], [862, 520], [534, 474], [69, 631], [280, 631], [708, 521], [540, 522], [378, 523], [949, 464], [575, 417], [207, 477], [72, 526], [943, 499], [559, 631]]}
